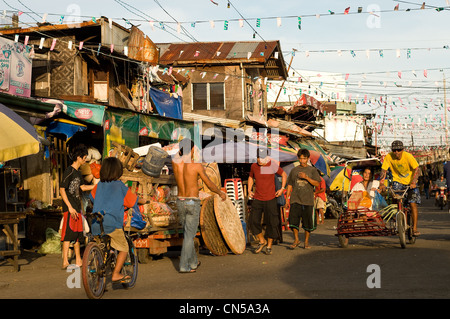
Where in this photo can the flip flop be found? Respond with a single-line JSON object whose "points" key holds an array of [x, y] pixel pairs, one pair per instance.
{"points": [[198, 265], [260, 247], [294, 245], [188, 271], [416, 233], [122, 280]]}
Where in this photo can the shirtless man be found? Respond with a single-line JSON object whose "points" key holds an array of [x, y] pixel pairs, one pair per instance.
{"points": [[188, 202]]}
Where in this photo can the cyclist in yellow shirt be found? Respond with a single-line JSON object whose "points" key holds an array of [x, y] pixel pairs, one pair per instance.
{"points": [[404, 168]]}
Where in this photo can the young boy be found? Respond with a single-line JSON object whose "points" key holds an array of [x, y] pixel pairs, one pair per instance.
{"points": [[70, 189], [300, 197]]}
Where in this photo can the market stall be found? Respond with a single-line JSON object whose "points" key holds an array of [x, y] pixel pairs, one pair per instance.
{"points": [[18, 138]]}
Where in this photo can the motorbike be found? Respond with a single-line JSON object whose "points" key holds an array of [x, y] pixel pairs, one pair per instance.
{"points": [[334, 204], [442, 197]]}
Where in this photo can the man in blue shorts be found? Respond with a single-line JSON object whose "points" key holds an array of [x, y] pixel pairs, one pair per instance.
{"points": [[405, 172]]}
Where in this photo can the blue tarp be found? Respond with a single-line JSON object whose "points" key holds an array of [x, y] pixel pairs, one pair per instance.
{"points": [[166, 104], [68, 128]]}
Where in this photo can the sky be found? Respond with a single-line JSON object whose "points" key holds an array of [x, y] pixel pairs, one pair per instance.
{"points": [[398, 56]]}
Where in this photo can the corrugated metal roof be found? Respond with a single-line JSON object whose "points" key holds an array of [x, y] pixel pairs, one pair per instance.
{"points": [[213, 51], [241, 49], [246, 52]]}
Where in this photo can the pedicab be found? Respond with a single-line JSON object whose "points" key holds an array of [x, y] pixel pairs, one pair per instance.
{"points": [[392, 218]]}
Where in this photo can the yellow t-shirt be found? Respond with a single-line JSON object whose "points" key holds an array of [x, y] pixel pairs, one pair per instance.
{"points": [[401, 169]]}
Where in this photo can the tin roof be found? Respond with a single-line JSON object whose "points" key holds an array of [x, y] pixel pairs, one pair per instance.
{"points": [[263, 53]]}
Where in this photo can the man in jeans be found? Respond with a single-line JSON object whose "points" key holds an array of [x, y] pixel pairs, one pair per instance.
{"points": [[188, 202], [262, 175]]}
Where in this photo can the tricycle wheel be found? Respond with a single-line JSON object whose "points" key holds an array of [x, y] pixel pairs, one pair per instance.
{"points": [[343, 241], [143, 255]]}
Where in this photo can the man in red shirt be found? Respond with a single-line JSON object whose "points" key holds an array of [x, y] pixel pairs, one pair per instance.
{"points": [[262, 175]]}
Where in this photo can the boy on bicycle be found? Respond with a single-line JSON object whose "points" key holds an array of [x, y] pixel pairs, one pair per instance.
{"points": [[405, 172]]}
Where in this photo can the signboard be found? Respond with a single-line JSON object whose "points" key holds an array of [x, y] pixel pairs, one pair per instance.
{"points": [[89, 113], [166, 129], [120, 127], [15, 68]]}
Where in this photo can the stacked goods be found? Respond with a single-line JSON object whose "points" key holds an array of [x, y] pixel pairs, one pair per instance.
{"points": [[161, 194], [161, 214], [158, 211], [235, 193]]}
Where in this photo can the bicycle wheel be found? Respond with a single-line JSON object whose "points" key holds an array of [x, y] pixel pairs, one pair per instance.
{"points": [[411, 237], [93, 271], [130, 267], [401, 228]]}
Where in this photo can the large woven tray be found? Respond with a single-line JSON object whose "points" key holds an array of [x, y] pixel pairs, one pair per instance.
{"points": [[210, 230], [230, 224]]}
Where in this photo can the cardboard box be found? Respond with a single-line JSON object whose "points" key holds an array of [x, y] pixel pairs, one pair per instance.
{"points": [[354, 200]]}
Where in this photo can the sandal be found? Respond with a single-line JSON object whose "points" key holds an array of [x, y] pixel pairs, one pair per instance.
{"points": [[125, 279], [268, 251], [416, 233], [260, 247], [294, 245]]}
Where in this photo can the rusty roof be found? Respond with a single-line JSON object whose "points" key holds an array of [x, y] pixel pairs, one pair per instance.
{"points": [[214, 53]]}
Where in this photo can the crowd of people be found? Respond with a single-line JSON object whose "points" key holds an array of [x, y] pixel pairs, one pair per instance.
{"points": [[303, 192]]}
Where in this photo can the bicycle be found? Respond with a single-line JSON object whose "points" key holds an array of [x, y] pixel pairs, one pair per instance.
{"points": [[99, 259], [403, 217]]}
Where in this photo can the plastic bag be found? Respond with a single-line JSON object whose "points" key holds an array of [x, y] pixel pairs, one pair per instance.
{"points": [[366, 201], [137, 220], [52, 245], [378, 202]]}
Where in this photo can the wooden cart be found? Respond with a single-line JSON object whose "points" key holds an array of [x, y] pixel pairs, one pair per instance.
{"points": [[154, 240]]}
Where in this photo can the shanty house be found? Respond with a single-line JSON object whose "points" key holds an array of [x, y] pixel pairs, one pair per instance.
{"points": [[227, 79]]}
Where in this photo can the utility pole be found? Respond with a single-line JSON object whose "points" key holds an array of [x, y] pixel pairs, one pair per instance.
{"points": [[282, 85], [445, 114]]}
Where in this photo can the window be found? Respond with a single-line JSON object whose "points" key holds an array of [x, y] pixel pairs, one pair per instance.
{"points": [[208, 96], [199, 96]]}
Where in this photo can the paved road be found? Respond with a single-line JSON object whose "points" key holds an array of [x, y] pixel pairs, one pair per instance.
{"points": [[325, 271]]}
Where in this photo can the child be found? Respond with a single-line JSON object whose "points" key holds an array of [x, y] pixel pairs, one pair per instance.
{"points": [[320, 201], [70, 189], [111, 196]]}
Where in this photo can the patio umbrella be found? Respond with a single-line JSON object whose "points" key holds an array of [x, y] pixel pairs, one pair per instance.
{"points": [[320, 162], [18, 138], [338, 179]]}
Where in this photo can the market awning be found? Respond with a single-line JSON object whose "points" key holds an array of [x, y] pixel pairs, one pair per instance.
{"points": [[65, 127], [89, 113], [18, 138]]}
